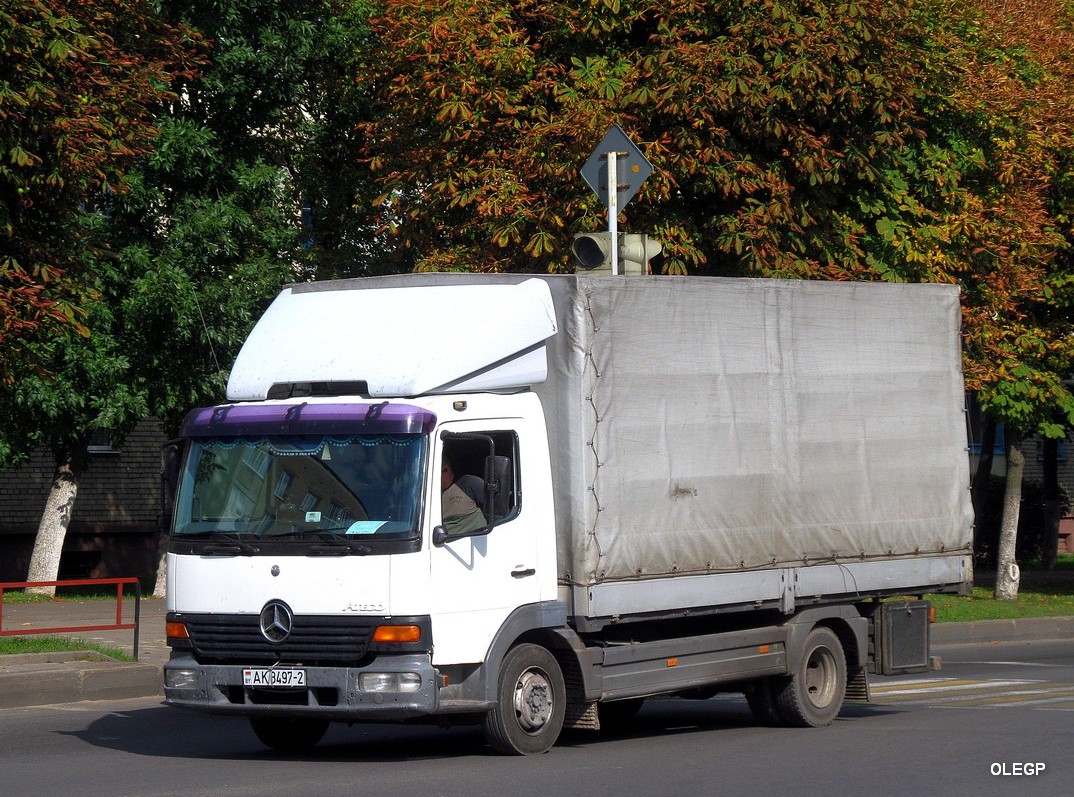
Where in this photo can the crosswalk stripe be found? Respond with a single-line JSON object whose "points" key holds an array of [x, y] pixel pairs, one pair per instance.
{"points": [[936, 682], [1003, 697], [894, 689], [968, 693]]}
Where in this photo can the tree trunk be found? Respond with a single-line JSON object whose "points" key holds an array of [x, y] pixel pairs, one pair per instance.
{"points": [[52, 530], [161, 587], [1007, 574], [170, 460], [1052, 504]]}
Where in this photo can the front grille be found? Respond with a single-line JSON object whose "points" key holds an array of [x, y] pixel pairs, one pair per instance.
{"points": [[314, 639]]}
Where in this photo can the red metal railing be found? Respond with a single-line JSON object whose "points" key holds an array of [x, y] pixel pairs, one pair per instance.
{"points": [[81, 582]]}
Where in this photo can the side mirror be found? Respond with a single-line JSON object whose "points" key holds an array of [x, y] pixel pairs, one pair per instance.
{"points": [[498, 486], [440, 536]]}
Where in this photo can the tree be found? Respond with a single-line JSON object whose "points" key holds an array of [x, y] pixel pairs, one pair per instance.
{"points": [[254, 183], [251, 181], [1019, 70], [92, 390], [79, 85], [764, 121]]}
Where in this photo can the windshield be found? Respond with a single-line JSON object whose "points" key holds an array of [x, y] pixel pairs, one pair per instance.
{"points": [[355, 487]]}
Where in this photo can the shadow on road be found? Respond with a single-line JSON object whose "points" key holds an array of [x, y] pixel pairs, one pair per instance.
{"points": [[160, 731]]}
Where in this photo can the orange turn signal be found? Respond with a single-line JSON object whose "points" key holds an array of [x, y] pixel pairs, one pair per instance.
{"points": [[176, 631], [397, 633]]}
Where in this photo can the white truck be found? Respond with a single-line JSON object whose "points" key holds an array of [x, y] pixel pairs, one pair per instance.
{"points": [[683, 485]]}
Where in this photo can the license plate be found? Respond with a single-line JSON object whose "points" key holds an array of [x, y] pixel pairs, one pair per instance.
{"points": [[273, 677]]}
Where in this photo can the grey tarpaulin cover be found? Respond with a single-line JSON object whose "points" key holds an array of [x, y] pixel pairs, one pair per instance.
{"points": [[709, 425]]}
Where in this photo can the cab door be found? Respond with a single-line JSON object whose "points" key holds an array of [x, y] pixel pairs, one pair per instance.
{"points": [[478, 580]]}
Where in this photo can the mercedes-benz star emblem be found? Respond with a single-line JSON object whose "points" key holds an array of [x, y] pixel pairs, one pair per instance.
{"points": [[276, 621]]}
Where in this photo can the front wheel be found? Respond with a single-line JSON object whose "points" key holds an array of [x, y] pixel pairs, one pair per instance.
{"points": [[530, 704], [289, 734], [813, 695]]}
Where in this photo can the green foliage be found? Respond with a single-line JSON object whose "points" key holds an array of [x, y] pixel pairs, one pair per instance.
{"points": [[86, 383], [1019, 92], [79, 83], [765, 122], [253, 183]]}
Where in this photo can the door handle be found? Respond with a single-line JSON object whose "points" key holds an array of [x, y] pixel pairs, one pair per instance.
{"points": [[520, 572]]}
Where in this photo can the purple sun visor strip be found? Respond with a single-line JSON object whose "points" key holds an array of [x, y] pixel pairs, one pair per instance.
{"points": [[242, 420]]}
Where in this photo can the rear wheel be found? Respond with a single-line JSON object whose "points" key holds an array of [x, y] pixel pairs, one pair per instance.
{"points": [[289, 734], [813, 695], [530, 705]]}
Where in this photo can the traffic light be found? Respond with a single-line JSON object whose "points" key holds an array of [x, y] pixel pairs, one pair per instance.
{"points": [[593, 251], [635, 252]]}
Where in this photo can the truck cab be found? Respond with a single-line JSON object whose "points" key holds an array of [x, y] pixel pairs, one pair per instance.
{"points": [[315, 571]]}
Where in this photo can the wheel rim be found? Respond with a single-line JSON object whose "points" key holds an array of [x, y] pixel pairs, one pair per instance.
{"points": [[820, 677], [533, 701]]}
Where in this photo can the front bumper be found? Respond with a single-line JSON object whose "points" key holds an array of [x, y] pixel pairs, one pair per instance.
{"points": [[330, 692]]}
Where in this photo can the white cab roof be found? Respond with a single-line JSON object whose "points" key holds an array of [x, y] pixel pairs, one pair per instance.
{"points": [[400, 341]]}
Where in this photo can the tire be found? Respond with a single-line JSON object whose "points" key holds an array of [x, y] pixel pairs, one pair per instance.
{"points": [[618, 714], [813, 695], [530, 703], [761, 697], [289, 734]]}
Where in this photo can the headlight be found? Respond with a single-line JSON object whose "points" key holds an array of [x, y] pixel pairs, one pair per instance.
{"points": [[182, 679], [389, 682]]}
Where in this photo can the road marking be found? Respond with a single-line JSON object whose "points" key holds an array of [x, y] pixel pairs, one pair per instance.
{"points": [[1011, 663], [1004, 697], [928, 688], [909, 681], [955, 693]]}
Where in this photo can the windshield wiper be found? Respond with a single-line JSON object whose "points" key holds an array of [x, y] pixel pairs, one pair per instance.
{"points": [[339, 547], [233, 547]]}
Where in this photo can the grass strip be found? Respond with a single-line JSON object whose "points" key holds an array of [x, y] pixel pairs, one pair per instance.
{"points": [[47, 644], [982, 606]]}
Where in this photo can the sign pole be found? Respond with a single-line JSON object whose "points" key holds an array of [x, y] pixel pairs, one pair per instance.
{"points": [[626, 169], [613, 209]]}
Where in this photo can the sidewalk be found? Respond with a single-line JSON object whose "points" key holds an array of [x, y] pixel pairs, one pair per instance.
{"points": [[47, 678], [35, 679]]}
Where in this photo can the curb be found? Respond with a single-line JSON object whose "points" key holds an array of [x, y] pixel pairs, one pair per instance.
{"points": [[991, 631], [41, 679]]}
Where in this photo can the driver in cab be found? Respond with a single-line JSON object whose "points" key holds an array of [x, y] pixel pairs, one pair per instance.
{"points": [[462, 499]]}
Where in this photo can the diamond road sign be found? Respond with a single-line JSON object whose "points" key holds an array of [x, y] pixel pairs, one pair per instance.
{"points": [[631, 170]]}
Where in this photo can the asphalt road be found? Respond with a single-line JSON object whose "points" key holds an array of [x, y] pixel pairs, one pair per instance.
{"points": [[967, 729]]}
